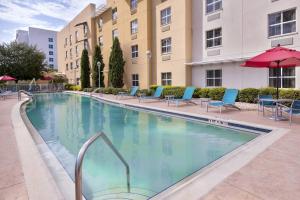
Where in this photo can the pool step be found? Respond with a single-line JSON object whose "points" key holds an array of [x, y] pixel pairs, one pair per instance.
{"points": [[135, 194]]}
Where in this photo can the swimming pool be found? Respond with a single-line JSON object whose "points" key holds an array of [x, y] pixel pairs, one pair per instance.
{"points": [[160, 150]]}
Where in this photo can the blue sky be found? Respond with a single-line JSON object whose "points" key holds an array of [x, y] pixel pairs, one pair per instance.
{"points": [[47, 14]]}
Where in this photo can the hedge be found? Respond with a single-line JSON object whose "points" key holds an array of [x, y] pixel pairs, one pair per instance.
{"points": [[72, 87], [247, 95]]}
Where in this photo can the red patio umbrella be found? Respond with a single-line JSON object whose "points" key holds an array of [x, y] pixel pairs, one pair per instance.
{"points": [[7, 78], [278, 57]]}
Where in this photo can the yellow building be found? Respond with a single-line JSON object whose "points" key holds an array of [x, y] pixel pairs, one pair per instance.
{"points": [[155, 37], [72, 39]]}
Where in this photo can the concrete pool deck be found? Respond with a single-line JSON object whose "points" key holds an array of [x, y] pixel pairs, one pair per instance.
{"points": [[274, 174]]}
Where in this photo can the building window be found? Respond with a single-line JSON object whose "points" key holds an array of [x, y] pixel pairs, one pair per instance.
{"points": [[51, 66], [214, 78], [77, 63], [76, 36], [134, 26], [115, 33], [166, 78], [165, 16], [214, 38], [67, 67], [282, 22], [100, 23], [78, 81], [51, 59], [71, 65], [100, 40], [51, 53], [287, 77], [213, 5], [76, 50], [50, 39], [166, 45], [66, 54], [114, 14], [134, 51], [133, 4], [50, 46], [135, 79], [66, 41], [85, 44], [70, 39], [71, 53], [85, 30]]}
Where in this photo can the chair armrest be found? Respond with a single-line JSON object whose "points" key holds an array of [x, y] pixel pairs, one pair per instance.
{"points": [[284, 106]]}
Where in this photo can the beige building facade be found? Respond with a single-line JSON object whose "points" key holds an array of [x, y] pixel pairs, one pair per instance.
{"points": [[155, 37], [72, 39]]}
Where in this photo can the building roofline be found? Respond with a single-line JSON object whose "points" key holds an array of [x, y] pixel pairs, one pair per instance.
{"points": [[101, 9]]}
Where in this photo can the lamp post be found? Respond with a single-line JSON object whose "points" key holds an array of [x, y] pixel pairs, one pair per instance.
{"points": [[99, 66], [149, 56]]}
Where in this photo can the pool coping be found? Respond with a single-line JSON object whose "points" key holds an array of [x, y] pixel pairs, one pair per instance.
{"points": [[39, 181], [201, 181]]}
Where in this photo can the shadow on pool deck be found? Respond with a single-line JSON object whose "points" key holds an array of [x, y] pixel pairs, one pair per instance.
{"points": [[274, 174], [12, 183]]}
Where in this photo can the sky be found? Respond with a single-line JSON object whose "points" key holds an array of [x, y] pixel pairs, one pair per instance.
{"points": [[46, 14]]}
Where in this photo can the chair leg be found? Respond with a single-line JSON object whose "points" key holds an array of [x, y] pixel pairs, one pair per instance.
{"points": [[220, 109], [291, 116], [207, 108]]}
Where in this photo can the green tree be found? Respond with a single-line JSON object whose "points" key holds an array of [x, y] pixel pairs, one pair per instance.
{"points": [[116, 65], [85, 69], [95, 71], [21, 61]]}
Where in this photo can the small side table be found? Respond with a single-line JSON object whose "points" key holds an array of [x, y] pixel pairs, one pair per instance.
{"points": [[169, 98], [204, 100]]}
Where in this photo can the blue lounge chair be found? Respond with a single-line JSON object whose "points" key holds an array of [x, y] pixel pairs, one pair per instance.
{"points": [[228, 100], [268, 104], [132, 93], [156, 96], [186, 98], [294, 110]]}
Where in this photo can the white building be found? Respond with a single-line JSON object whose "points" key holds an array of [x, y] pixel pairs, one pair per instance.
{"points": [[44, 40], [225, 33], [22, 36]]}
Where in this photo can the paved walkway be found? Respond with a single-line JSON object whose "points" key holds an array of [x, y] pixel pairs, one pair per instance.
{"points": [[12, 185], [272, 175]]}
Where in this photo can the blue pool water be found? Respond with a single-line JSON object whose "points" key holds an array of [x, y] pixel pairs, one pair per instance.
{"points": [[160, 150]]}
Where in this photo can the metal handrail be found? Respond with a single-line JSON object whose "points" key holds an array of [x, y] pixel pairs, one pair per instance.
{"points": [[94, 91], [25, 92], [79, 160]]}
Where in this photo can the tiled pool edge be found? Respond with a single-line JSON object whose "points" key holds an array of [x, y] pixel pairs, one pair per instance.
{"points": [[46, 180], [210, 176]]}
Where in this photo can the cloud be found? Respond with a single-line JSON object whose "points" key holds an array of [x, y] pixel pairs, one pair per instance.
{"points": [[47, 14]]}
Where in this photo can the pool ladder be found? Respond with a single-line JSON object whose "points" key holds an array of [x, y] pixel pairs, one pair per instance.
{"points": [[79, 160], [24, 92]]}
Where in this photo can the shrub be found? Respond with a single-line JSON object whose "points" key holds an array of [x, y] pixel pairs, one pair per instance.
{"points": [[173, 90], [216, 93], [289, 94], [197, 93], [144, 91], [153, 87], [248, 95], [68, 86], [268, 91], [88, 89], [204, 93], [75, 88]]}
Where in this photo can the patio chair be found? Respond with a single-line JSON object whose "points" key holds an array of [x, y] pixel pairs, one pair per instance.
{"points": [[156, 96], [132, 93], [294, 110], [186, 98], [228, 100], [4, 95], [268, 104]]}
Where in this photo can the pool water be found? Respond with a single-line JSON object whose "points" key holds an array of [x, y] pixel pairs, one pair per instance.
{"points": [[160, 150]]}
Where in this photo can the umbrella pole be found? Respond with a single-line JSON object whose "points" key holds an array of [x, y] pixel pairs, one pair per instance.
{"points": [[277, 81]]}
